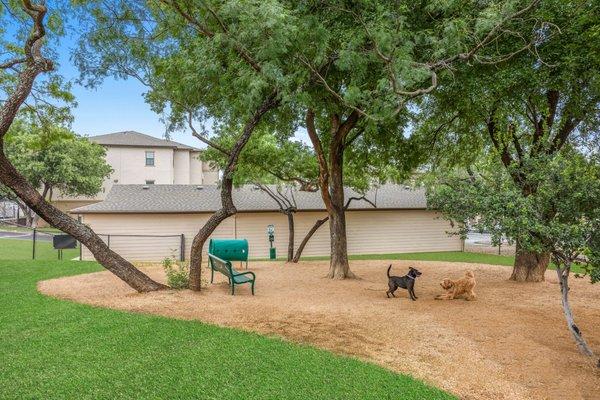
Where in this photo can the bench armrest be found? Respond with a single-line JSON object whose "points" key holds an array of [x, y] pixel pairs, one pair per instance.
{"points": [[246, 273]]}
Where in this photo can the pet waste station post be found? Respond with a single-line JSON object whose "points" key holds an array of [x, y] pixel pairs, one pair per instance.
{"points": [[271, 234]]}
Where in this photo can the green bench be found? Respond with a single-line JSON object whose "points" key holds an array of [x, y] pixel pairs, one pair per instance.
{"points": [[234, 277]]}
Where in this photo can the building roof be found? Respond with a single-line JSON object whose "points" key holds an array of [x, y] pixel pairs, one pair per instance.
{"points": [[136, 139], [157, 199]]}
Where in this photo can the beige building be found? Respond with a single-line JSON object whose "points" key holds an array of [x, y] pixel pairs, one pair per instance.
{"points": [[137, 158], [153, 222]]}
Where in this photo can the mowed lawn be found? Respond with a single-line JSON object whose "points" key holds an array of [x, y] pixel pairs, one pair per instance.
{"points": [[448, 256], [53, 349], [451, 256], [18, 249]]}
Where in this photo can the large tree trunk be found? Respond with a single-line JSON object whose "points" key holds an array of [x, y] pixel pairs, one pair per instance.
{"points": [[110, 260], [331, 185], [339, 267], [529, 266], [307, 237], [563, 278], [318, 224], [227, 207], [290, 252]]}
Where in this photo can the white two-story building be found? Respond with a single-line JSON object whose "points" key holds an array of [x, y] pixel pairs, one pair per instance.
{"points": [[137, 158]]}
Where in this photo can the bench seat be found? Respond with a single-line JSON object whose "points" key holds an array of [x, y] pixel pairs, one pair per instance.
{"points": [[234, 277]]}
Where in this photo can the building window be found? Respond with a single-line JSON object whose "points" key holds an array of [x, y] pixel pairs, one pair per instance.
{"points": [[150, 159], [149, 182]]}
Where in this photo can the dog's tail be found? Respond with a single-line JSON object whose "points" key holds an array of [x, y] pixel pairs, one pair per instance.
{"points": [[388, 272]]}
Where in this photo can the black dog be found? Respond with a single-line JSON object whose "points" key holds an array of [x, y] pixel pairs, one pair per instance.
{"points": [[406, 282]]}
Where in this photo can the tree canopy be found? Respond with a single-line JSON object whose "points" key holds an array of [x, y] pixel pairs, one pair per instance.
{"points": [[529, 105], [26, 72], [562, 219], [53, 158], [345, 71], [522, 111]]}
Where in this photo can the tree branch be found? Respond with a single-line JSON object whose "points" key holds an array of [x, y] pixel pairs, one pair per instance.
{"points": [[350, 199], [12, 62], [330, 90], [487, 39], [201, 28], [34, 65], [323, 168], [552, 97], [563, 134]]}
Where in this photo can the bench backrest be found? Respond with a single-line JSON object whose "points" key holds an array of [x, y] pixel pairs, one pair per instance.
{"points": [[229, 249], [220, 265]]}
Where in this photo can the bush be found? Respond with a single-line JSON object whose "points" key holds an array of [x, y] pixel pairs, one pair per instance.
{"points": [[178, 273]]}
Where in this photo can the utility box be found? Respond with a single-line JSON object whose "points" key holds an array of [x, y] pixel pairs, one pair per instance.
{"points": [[60, 242], [271, 236]]}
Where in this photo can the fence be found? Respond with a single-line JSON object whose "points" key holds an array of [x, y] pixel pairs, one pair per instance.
{"points": [[8, 210], [482, 243], [19, 242], [143, 247]]}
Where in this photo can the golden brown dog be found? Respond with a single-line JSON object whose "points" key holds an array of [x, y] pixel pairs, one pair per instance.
{"points": [[463, 286]]}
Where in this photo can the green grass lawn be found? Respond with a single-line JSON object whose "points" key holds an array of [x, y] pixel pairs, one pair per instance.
{"points": [[53, 349], [15, 249], [17, 228], [455, 256], [452, 256]]}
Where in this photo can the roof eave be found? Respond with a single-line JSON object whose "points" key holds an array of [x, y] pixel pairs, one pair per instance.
{"points": [[81, 212]]}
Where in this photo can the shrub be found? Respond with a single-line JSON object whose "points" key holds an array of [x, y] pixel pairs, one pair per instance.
{"points": [[178, 273]]}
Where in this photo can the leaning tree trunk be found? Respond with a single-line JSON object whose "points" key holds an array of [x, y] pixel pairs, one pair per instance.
{"points": [[201, 237], [110, 260], [227, 207], [310, 233], [563, 278], [529, 266], [290, 252]]}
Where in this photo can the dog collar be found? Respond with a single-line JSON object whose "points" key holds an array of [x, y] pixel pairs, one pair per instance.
{"points": [[411, 277]]}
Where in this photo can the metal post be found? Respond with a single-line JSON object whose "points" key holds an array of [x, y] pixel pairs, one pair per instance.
{"points": [[108, 241], [182, 248], [80, 252], [34, 236]]}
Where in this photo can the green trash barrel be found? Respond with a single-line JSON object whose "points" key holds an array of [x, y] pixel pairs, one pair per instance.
{"points": [[229, 249], [272, 253]]}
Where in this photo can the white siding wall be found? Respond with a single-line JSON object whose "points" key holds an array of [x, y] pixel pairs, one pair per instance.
{"points": [[210, 174], [129, 165], [181, 167], [196, 175], [369, 232]]}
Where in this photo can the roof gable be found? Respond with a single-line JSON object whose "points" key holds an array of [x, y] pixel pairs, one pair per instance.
{"points": [[137, 139]]}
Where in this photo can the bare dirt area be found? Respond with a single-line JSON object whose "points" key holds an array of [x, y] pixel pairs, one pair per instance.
{"points": [[511, 343]]}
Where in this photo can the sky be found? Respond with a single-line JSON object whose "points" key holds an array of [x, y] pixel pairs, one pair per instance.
{"points": [[116, 105]]}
